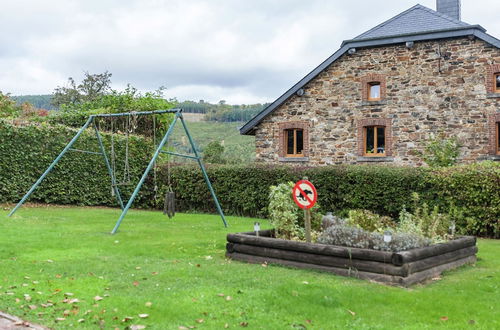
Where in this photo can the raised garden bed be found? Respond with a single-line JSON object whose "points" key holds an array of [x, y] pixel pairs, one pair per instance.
{"points": [[395, 268]]}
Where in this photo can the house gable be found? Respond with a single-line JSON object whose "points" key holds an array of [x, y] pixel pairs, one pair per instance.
{"points": [[395, 31]]}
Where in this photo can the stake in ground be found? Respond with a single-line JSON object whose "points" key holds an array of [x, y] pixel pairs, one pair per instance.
{"points": [[176, 273]]}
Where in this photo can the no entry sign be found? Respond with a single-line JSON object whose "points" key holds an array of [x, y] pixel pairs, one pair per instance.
{"points": [[304, 194]]}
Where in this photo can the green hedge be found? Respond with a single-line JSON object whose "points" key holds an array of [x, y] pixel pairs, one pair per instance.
{"points": [[82, 179], [473, 190]]}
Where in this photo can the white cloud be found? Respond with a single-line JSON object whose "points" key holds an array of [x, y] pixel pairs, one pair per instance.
{"points": [[237, 50]]}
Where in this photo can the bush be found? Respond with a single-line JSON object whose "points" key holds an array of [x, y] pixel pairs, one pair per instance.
{"points": [[213, 153], [441, 151], [79, 178], [469, 192], [359, 238], [283, 211], [369, 221]]}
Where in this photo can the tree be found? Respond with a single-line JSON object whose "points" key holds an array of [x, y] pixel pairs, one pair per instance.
{"points": [[213, 153], [91, 88]]}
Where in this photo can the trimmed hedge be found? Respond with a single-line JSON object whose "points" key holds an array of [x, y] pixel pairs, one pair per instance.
{"points": [[82, 179], [79, 178], [472, 190]]}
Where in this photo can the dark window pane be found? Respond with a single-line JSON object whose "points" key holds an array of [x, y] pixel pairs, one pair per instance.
{"points": [[380, 140], [289, 141], [497, 80], [374, 91], [370, 140], [300, 141]]}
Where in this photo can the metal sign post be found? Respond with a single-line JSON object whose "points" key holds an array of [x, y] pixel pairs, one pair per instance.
{"points": [[305, 196]]}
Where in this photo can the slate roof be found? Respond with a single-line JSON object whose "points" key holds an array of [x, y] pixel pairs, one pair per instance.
{"points": [[417, 19], [418, 23]]}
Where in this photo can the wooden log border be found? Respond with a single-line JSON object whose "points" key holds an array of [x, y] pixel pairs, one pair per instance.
{"points": [[401, 268]]}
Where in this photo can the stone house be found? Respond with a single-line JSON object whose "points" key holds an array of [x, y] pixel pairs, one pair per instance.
{"points": [[383, 94]]}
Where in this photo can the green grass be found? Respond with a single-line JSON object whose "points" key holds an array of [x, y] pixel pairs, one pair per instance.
{"points": [[237, 148], [179, 266]]}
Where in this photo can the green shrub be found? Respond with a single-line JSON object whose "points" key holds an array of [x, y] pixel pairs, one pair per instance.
{"points": [[369, 221], [79, 178], [283, 211], [468, 192], [359, 238], [441, 151]]}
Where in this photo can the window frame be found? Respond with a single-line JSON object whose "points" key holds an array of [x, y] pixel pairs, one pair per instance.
{"points": [[497, 138], [375, 140], [281, 141], [495, 77], [285, 143], [369, 89]]}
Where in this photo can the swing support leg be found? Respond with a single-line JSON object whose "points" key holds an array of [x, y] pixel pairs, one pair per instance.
{"points": [[110, 171], [51, 166], [205, 175], [145, 174]]}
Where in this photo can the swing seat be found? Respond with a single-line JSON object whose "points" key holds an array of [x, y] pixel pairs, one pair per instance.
{"points": [[169, 204]]}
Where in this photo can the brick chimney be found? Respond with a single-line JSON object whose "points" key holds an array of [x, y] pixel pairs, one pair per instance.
{"points": [[449, 7]]}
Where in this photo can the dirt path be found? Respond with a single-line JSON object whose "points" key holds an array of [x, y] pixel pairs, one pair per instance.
{"points": [[8, 322]]}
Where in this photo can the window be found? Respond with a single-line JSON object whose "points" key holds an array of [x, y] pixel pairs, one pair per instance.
{"points": [[374, 91], [374, 141], [294, 142], [496, 83], [373, 88]]}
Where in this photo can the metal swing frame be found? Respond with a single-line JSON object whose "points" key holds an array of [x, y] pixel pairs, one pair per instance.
{"points": [[159, 149]]}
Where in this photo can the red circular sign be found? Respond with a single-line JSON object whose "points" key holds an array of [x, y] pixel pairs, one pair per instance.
{"points": [[304, 194]]}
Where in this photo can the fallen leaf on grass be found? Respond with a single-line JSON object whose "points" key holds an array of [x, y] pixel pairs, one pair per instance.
{"points": [[59, 319], [137, 267], [97, 298], [137, 327], [444, 318], [127, 318], [351, 312], [200, 320], [68, 294], [135, 283], [226, 325], [309, 321], [81, 320], [58, 275], [228, 298], [264, 264], [32, 307], [220, 294], [244, 324], [50, 261], [154, 273], [143, 316], [22, 324], [472, 322], [305, 282], [181, 327], [148, 304]]}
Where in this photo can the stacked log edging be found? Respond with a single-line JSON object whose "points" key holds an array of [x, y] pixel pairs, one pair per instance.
{"points": [[396, 268]]}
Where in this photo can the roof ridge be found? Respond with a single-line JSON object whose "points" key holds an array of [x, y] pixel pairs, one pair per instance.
{"points": [[417, 6], [449, 18]]}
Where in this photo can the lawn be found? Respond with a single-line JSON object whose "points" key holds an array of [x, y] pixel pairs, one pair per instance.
{"points": [[175, 272]]}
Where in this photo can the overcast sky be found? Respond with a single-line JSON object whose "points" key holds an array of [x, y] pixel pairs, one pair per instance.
{"points": [[242, 51]]}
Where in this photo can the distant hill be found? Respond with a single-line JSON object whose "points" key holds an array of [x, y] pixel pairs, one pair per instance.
{"points": [[39, 101], [220, 112]]}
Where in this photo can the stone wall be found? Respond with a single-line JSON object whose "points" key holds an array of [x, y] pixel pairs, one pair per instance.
{"points": [[423, 95]]}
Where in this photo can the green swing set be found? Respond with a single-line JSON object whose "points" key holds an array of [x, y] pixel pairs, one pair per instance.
{"points": [[130, 125]]}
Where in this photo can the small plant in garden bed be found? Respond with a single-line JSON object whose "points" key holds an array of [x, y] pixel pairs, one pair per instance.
{"points": [[286, 217]]}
